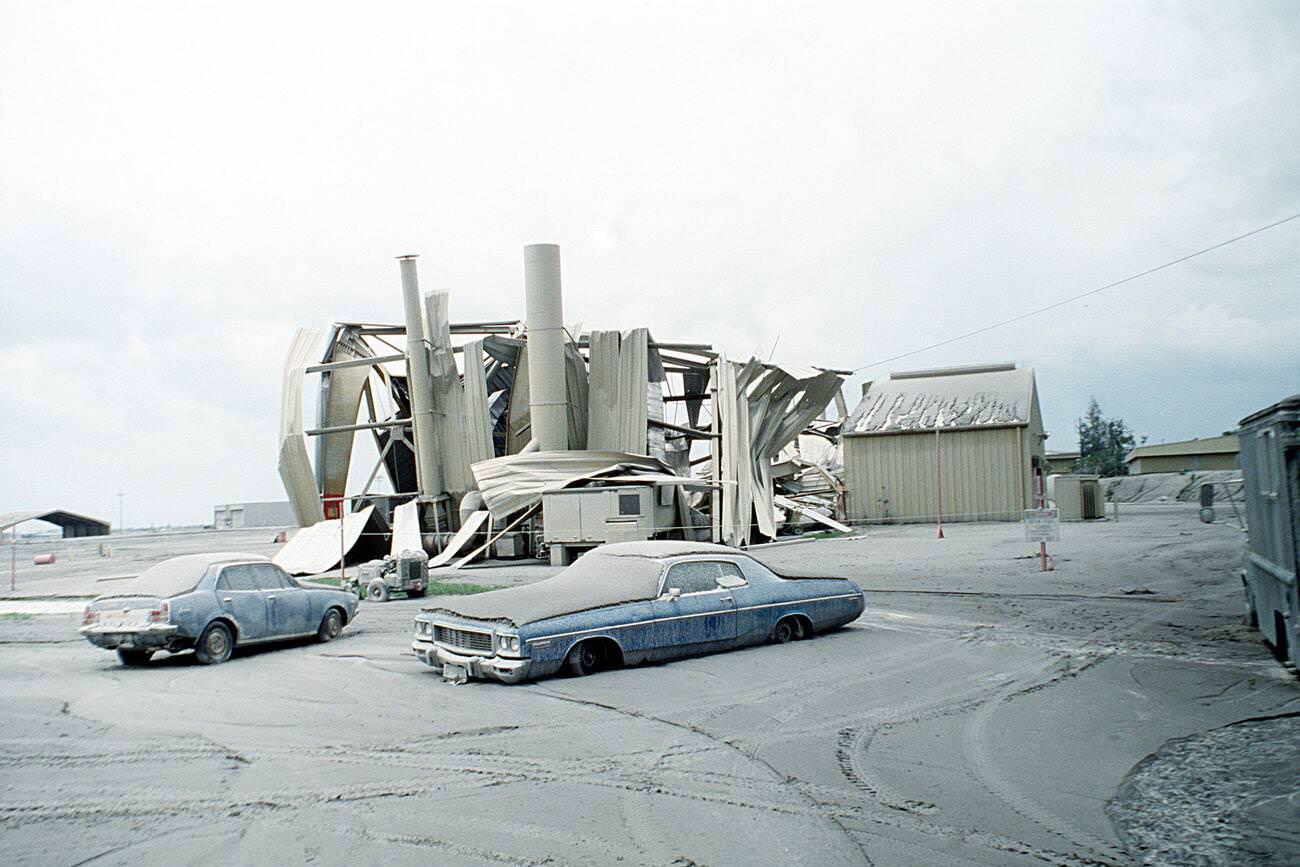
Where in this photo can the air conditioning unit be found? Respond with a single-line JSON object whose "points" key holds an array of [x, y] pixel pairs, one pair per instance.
{"points": [[578, 518]]}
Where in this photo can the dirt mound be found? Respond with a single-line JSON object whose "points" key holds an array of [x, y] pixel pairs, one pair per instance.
{"points": [[1173, 487]]}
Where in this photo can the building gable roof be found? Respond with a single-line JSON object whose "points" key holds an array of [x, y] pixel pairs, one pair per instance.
{"points": [[58, 517], [1221, 445], [959, 397]]}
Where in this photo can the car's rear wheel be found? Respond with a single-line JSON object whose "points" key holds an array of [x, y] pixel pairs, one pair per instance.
{"points": [[584, 659], [215, 644], [133, 657], [415, 594], [786, 630], [330, 625], [377, 591]]}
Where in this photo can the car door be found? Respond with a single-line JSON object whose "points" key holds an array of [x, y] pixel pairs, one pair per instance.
{"points": [[288, 606], [752, 618], [701, 619], [239, 596]]}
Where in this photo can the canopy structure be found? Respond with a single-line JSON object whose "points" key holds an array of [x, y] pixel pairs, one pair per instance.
{"points": [[74, 526]]}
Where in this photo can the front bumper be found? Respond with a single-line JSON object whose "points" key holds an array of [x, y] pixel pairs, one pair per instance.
{"points": [[151, 637], [500, 668]]}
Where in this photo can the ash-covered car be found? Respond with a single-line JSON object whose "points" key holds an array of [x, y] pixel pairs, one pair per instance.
{"points": [[629, 603], [211, 603]]}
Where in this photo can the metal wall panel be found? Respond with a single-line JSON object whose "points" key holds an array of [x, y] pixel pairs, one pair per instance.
{"points": [[983, 475]]}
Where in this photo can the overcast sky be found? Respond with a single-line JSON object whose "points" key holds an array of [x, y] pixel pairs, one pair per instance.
{"points": [[184, 184]]}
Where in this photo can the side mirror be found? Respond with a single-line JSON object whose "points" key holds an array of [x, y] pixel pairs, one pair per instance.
{"points": [[674, 593]]}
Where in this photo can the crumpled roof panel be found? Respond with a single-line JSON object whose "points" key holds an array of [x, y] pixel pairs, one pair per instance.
{"points": [[994, 398]]}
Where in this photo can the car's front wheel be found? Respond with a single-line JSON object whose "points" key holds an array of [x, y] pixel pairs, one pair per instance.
{"points": [[330, 625], [377, 591], [215, 644], [583, 659], [133, 657]]}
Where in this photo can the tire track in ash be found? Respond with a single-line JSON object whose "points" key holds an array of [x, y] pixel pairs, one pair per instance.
{"points": [[983, 767], [724, 743], [630, 775], [853, 742]]}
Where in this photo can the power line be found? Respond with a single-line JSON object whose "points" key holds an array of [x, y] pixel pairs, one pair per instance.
{"points": [[1074, 298]]}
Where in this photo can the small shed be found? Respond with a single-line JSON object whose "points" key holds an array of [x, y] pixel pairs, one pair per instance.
{"points": [[74, 526], [1211, 453], [961, 441]]}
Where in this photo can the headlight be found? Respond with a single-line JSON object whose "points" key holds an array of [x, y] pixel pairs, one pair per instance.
{"points": [[421, 627], [508, 642]]}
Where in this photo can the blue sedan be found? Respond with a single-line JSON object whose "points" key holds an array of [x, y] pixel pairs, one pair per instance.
{"points": [[211, 603], [628, 603]]}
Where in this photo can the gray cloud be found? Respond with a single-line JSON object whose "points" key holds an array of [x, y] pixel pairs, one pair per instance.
{"points": [[184, 185]]}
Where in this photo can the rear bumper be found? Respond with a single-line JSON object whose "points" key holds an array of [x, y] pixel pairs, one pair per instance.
{"points": [[152, 637], [498, 668]]}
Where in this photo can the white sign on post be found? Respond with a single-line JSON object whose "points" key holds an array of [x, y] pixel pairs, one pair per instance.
{"points": [[1042, 525]]}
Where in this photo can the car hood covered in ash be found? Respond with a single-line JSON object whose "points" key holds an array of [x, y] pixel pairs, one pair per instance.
{"points": [[596, 580]]}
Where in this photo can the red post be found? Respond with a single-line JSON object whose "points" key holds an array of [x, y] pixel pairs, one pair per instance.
{"points": [[938, 482], [343, 548], [1042, 504]]}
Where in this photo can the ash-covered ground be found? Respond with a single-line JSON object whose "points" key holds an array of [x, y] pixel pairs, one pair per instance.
{"points": [[980, 712]]}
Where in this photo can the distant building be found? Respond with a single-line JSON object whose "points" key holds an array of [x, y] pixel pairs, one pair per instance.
{"points": [[1211, 453], [235, 515], [1059, 463], [990, 439], [74, 526]]}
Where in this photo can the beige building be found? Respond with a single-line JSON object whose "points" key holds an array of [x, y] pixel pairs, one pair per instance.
{"points": [[1211, 453], [1061, 462], [966, 439]]}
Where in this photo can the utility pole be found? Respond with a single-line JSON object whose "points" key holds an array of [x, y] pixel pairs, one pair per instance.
{"points": [[121, 525]]}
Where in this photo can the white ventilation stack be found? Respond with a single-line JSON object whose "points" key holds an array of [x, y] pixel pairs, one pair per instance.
{"points": [[547, 396], [427, 468]]}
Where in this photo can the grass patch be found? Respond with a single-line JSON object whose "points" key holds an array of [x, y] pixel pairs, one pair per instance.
{"points": [[16, 615], [447, 588], [436, 588]]}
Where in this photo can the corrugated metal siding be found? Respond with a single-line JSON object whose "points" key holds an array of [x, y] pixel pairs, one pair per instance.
{"points": [[984, 476]]}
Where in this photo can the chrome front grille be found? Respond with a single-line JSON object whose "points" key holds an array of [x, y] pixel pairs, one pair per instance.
{"points": [[473, 640]]}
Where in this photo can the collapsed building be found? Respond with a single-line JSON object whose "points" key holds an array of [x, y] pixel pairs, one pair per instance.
{"points": [[530, 438]]}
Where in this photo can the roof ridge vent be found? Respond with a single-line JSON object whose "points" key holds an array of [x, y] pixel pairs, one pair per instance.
{"points": [[953, 371]]}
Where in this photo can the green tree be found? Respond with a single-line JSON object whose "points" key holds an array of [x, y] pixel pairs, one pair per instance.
{"points": [[1104, 443]]}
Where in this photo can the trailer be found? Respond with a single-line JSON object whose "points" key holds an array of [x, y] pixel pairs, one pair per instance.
{"points": [[1270, 462]]}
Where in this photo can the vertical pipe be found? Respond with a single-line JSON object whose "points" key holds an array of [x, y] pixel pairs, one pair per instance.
{"points": [[420, 385], [715, 455], [547, 395]]}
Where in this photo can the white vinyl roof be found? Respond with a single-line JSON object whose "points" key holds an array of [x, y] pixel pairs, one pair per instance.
{"points": [[982, 397]]}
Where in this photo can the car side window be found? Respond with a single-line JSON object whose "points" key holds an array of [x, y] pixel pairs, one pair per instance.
{"points": [[731, 576], [236, 578], [266, 576], [694, 577]]}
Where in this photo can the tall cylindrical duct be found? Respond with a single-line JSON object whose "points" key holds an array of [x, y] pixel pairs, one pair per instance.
{"points": [[420, 384], [547, 397]]}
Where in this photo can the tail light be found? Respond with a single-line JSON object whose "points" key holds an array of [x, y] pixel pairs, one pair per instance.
{"points": [[162, 613], [89, 616]]}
